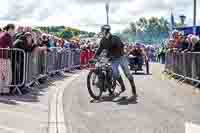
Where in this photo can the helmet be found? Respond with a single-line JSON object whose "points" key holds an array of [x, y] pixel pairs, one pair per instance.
{"points": [[106, 28]]}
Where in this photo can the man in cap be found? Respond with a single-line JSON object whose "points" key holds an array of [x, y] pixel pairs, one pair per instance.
{"points": [[115, 51]]}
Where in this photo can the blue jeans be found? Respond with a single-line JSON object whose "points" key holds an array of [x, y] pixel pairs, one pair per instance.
{"points": [[123, 62]]}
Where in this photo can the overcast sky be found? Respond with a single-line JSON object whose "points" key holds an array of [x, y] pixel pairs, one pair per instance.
{"points": [[90, 14]]}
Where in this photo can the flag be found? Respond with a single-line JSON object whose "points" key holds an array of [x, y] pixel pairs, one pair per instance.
{"points": [[172, 21]]}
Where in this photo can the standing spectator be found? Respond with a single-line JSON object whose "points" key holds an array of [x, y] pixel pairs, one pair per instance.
{"points": [[171, 44], [184, 43], [51, 43], [5, 63], [162, 52], [62, 43], [189, 43], [83, 56], [178, 43], [195, 44], [45, 40], [28, 29], [66, 45], [20, 29], [25, 43]]}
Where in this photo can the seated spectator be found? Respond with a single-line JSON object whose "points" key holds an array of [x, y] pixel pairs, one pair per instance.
{"points": [[132, 51], [139, 51]]}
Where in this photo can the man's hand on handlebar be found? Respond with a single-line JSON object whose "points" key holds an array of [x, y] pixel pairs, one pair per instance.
{"points": [[93, 61]]}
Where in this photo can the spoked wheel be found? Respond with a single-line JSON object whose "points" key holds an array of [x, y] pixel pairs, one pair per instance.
{"points": [[94, 85]]}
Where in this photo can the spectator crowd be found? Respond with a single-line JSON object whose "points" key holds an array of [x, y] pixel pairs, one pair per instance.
{"points": [[33, 41], [181, 43]]}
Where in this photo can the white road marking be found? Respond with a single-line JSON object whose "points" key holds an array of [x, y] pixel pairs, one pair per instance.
{"points": [[8, 129], [52, 115], [90, 114], [192, 128], [56, 107]]}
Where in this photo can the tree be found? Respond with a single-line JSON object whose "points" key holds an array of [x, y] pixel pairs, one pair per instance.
{"points": [[133, 28], [91, 34], [151, 30], [66, 34], [142, 23]]}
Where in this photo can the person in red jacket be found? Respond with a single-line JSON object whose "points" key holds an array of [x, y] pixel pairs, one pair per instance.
{"points": [[84, 55], [6, 41]]}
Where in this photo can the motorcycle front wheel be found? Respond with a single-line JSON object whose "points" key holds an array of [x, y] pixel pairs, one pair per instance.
{"points": [[94, 85]]}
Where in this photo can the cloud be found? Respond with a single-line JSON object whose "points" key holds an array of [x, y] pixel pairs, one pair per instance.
{"points": [[90, 14], [101, 1], [18, 9]]}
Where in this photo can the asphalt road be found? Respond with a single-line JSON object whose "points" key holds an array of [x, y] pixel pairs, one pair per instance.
{"points": [[163, 106]]}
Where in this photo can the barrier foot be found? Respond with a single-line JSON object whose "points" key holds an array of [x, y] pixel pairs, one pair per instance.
{"points": [[196, 89], [37, 83], [30, 88], [180, 80], [196, 85], [47, 79], [183, 81], [17, 90]]}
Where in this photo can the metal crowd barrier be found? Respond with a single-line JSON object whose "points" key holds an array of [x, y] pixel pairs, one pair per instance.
{"points": [[75, 58], [12, 69], [184, 65], [19, 69]]}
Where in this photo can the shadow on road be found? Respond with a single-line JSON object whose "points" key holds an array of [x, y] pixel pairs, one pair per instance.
{"points": [[125, 101], [119, 100], [140, 73], [33, 93]]}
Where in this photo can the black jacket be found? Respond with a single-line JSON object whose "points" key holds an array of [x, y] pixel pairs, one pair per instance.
{"points": [[21, 43], [196, 47], [113, 45]]}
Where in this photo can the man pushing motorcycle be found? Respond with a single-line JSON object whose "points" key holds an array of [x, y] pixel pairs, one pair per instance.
{"points": [[115, 51]]}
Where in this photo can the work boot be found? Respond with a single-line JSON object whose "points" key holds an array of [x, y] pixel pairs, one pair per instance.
{"points": [[133, 87], [121, 82]]}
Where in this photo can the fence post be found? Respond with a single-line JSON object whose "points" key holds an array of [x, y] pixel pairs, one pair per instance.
{"points": [[184, 65], [193, 67]]}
